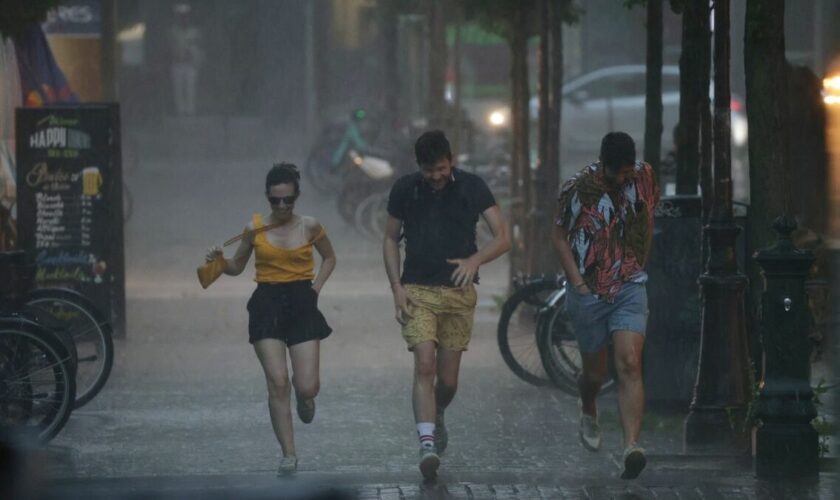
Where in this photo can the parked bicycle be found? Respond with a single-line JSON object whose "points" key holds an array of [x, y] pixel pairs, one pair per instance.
{"points": [[518, 324], [91, 334], [56, 351], [37, 363], [536, 339]]}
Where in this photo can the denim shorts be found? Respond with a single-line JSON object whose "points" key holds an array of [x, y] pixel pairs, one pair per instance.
{"points": [[594, 319]]}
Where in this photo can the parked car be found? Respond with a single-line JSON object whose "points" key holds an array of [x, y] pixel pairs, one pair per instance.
{"points": [[613, 98]]}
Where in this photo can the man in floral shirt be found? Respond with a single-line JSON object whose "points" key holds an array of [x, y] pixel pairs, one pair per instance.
{"points": [[603, 234]]}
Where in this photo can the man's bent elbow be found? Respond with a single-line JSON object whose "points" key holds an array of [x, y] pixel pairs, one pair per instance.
{"points": [[506, 243]]}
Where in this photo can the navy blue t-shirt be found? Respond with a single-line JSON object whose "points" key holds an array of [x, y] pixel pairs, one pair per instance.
{"points": [[438, 225]]}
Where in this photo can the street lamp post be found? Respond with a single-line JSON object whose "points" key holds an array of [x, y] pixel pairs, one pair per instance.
{"points": [[715, 422]]}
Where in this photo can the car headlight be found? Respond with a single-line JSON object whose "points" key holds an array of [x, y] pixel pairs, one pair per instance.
{"points": [[739, 130], [831, 90], [497, 118]]}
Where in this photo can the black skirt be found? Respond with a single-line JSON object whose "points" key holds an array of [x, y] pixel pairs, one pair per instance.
{"points": [[287, 312]]}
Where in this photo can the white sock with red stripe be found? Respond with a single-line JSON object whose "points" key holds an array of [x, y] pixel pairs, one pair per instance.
{"points": [[426, 433]]}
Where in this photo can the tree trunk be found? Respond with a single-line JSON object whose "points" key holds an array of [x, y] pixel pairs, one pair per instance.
{"points": [[321, 72], [722, 200], [766, 92], [540, 253], [704, 56], [653, 99], [458, 136], [390, 67], [520, 171], [437, 63], [554, 154], [807, 138], [723, 387], [695, 39]]}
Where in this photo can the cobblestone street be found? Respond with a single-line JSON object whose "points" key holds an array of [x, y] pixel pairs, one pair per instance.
{"points": [[184, 414]]}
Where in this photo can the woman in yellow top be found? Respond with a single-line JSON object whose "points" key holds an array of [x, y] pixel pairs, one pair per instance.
{"points": [[283, 311]]}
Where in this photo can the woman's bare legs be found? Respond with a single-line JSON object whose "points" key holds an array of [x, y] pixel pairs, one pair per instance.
{"points": [[305, 368], [272, 356]]}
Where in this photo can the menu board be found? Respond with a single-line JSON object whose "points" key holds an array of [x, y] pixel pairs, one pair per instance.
{"points": [[70, 201]]}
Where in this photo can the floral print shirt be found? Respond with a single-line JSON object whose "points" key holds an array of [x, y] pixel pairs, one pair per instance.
{"points": [[609, 228]]}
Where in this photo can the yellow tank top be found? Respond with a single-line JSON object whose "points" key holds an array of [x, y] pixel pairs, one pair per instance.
{"points": [[283, 265]]}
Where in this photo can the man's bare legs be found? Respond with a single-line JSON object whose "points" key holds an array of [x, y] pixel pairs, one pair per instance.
{"points": [[423, 399], [446, 385], [591, 379], [423, 394], [631, 391], [448, 366], [435, 379]]}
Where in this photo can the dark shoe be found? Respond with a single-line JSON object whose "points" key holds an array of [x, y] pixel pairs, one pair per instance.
{"points": [[429, 463], [441, 434], [306, 410], [634, 462]]}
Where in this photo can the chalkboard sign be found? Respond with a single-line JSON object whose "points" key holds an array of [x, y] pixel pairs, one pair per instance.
{"points": [[70, 201]]}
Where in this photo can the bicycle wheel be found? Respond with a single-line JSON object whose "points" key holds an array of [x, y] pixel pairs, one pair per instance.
{"points": [[91, 334], [558, 348], [37, 385], [516, 332], [362, 216], [379, 217]]}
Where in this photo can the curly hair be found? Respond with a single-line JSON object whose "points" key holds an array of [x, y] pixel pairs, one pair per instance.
{"points": [[283, 173]]}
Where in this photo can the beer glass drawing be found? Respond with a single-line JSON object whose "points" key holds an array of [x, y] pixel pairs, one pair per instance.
{"points": [[91, 181]]}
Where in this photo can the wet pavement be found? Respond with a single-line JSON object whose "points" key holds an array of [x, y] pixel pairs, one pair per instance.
{"points": [[184, 414]]}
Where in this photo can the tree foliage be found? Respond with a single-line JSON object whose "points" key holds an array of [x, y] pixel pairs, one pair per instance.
{"points": [[16, 15], [496, 16]]}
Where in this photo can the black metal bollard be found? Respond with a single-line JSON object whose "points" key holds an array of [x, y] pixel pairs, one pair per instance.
{"points": [[786, 443]]}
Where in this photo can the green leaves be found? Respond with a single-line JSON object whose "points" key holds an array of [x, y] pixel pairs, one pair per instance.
{"points": [[677, 6], [496, 16]]}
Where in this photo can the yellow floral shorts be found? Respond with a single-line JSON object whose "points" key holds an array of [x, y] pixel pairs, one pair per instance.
{"points": [[441, 314]]}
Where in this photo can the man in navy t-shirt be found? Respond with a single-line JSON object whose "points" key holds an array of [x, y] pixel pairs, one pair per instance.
{"points": [[436, 211]]}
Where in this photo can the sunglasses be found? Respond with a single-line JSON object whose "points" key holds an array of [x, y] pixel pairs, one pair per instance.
{"points": [[287, 200]]}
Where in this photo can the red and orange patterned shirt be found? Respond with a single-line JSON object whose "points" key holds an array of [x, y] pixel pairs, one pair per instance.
{"points": [[609, 229]]}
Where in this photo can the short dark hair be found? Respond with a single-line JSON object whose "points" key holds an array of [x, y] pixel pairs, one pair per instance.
{"points": [[617, 150], [283, 173], [432, 147]]}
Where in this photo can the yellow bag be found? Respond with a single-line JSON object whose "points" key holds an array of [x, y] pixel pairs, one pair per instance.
{"points": [[210, 272]]}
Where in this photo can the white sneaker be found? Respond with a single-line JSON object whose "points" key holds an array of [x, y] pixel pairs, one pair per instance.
{"points": [[590, 431]]}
